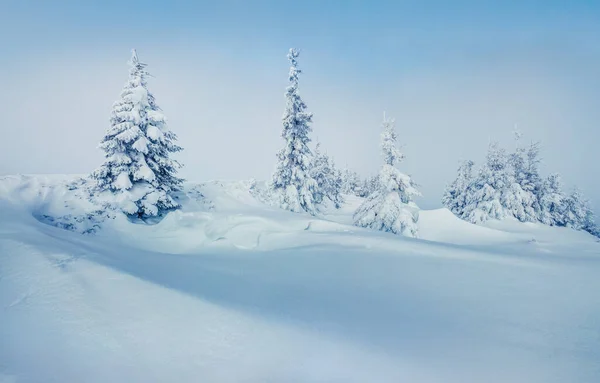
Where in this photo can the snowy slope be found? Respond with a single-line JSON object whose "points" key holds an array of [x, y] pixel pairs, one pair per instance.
{"points": [[230, 290]]}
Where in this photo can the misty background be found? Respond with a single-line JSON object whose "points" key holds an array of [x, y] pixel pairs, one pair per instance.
{"points": [[454, 75]]}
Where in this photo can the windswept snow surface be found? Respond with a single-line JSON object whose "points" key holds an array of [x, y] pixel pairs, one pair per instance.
{"points": [[231, 290]]}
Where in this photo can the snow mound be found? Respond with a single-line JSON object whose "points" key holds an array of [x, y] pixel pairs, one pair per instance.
{"points": [[232, 214], [58, 200], [228, 289], [441, 225]]}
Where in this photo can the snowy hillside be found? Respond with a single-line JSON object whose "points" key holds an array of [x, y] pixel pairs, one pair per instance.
{"points": [[228, 289]]}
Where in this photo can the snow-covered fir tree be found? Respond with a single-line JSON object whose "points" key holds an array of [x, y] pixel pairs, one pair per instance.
{"points": [[319, 171], [577, 214], [551, 200], [137, 148], [390, 208], [365, 189], [339, 184], [520, 197], [335, 193], [589, 224], [328, 178], [487, 194], [533, 180], [351, 183], [456, 194], [370, 185], [292, 184]]}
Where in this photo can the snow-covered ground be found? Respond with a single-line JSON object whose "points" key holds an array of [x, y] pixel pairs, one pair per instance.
{"points": [[231, 290]]}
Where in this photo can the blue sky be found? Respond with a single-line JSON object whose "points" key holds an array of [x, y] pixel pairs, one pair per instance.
{"points": [[454, 74]]}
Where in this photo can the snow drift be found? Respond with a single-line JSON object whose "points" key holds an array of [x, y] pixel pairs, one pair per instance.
{"points": [[228, 289]]}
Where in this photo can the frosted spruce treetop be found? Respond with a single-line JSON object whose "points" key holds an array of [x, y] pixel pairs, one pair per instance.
{"points": [[390, 207], [292, 185], [137, 168]]}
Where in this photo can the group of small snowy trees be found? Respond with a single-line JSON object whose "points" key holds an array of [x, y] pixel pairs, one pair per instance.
{"points": [[140, 177], [510, 185], [303, 179], [353, 184]]}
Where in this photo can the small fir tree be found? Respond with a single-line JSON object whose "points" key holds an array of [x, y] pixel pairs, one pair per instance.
{"points": [[455, 196], [351, 183], [328, 178], [487, 196], [551, 200], [578, 214], [390, 208], [521, 197]]}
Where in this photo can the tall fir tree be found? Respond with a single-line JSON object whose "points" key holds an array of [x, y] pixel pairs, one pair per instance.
{"points": [[292, 184], [137, 148], [456, 194], [391, 207]]}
